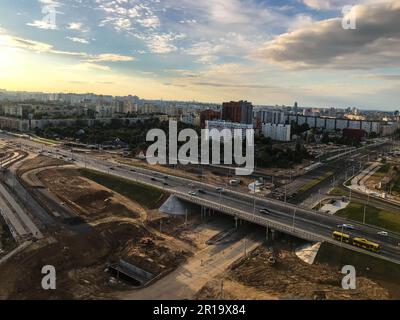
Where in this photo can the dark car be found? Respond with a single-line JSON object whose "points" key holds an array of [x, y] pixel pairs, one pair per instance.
{"points": [[265, 211]]}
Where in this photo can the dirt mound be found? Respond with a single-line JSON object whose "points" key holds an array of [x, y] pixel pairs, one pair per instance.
{"points": [[80, 262], [39, 162], [287, 278], [89, 199], [290, 277]]}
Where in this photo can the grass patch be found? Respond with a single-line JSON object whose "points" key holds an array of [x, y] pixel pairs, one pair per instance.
{"points": [[364, 264], [44, 141], [315, 182], [374, 216], [339, 192], [7, 242], [148, 197], [396, 184]]}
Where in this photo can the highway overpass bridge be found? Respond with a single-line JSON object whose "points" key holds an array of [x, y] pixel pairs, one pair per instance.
{"points": [[299, 222]]}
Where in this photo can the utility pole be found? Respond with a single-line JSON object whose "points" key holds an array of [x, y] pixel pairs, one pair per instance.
{"points": [[294, 219], [319, 198], [254, 194], [365, 212], [285, 193]]}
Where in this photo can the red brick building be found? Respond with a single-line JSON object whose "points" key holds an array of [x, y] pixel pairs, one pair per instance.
{"points": [[237, 112], [208, 115], [357, 134]]}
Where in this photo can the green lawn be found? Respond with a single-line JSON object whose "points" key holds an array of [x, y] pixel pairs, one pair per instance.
{"points": [[150, 198], [339, 192], [396, 185], [364, 264], [374, 216], [7, 242], [315, 182]]}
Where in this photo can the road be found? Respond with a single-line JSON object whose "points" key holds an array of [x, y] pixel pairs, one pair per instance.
{"points": [[188, 279], [300, 220]]}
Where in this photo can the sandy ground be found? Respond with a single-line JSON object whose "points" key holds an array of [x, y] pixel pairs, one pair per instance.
{"points": [[89, 199], [288, 278]]}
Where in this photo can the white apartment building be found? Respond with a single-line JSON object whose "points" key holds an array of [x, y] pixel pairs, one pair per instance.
{"points": [[104, 111], [220, 125], [268, 115], [278, 132]]}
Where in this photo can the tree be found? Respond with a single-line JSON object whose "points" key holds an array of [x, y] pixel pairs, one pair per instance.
{"points": [[325, 138]]}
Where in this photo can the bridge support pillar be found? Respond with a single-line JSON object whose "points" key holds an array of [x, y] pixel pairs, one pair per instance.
{"points": [[236, 223], [273, 234], [267, 234]]}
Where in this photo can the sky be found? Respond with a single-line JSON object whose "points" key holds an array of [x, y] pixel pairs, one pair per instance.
{"points": [[270, 52]]}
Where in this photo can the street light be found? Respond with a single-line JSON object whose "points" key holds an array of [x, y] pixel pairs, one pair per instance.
{"points": [[254, 194], [294, 219]]}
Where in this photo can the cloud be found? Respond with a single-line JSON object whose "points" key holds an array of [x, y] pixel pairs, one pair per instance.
{"points": [[41, 47], [49, 15], [86, 66], [325, 44], [110, 57], [337, 4], [78, 40], [42, 24], [75, 26]]}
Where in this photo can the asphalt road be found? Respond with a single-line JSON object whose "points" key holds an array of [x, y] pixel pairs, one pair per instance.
{"points": [[288, 214]]}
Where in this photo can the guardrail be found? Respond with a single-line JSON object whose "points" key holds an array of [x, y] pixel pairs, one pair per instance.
{"points": [[264, 221]]}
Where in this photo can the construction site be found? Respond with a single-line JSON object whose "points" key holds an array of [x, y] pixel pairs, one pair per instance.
{"points": [[108, 239]]}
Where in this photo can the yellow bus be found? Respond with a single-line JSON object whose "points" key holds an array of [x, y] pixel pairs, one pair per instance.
{"points": [[358, 242], [339, 236], [365, 244]]}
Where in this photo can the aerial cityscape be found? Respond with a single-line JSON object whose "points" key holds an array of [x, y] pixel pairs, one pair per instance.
{"points": [[223, 150]]}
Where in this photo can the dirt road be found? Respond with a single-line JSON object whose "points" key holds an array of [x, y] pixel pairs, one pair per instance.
{"points": [[188, 279]]}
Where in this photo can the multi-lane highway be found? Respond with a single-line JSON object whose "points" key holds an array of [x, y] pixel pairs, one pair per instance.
{"points": [[281, 216]]}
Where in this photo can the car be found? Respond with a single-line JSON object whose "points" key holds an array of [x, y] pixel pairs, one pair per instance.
{"points": [[383, 233], [166, 184], [219, 189], [346, 226], [133, 170], [265, 211], [192, 193], [153, 179], [166, 177], [112, 169], [201, 191]]}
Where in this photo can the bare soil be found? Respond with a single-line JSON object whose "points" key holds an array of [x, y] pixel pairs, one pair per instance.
{"points": [[89, 199], [288, 278], [80, 261]]}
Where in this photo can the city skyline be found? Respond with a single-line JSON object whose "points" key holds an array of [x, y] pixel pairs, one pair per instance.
{"points": [[274, 52]]}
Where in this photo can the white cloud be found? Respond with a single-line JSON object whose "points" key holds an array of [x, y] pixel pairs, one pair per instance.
{"points": [[75, 26], [42, 24], [78, 40], [110, 57], [337, 4]]}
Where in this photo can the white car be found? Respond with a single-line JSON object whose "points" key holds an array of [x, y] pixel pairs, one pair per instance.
{"points": [[192, 193], [383, 233]]}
